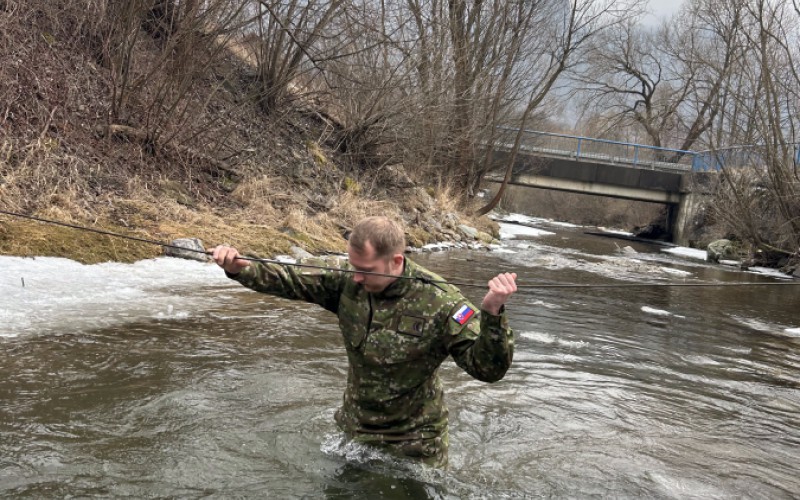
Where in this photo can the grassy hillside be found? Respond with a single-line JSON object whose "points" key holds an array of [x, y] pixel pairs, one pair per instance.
{"points": [[178, 152]]}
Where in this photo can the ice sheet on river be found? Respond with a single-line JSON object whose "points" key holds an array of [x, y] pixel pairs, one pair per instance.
{"points": [[510, 231], [526, 219], [513, 226], [61, 295], [625, 267], [690, 253], [697, 254]]}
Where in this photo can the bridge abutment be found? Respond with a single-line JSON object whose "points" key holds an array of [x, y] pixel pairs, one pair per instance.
{"points": [[696, 192], [679, 217]]}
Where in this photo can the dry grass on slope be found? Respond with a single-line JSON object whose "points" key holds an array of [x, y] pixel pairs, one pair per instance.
{"points": [[223, 170]]}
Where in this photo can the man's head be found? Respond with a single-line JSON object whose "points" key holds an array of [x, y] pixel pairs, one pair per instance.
{"points": [[376, 245]]}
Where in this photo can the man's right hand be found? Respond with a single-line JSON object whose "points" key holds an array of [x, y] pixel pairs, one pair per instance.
{"points": [[228, 259]]}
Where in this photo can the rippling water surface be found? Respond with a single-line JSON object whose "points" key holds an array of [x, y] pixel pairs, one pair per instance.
{"points": [[164, 379]]}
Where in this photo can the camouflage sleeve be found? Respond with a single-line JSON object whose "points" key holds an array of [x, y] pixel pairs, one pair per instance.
{"points": [[319, 286], [482, 344]]}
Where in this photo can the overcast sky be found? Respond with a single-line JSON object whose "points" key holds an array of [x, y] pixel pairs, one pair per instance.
{"points": [[662, 8]]}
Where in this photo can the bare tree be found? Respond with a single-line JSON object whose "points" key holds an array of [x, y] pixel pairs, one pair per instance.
{"points": [[191, 38], [438, 75], [775, 40], [485, 56], [760, 198], [561, 40], [287, 38], [670, 80], [370, 80]]}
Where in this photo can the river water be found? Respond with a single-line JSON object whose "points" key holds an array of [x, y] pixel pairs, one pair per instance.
{"points": [[165, 379]]}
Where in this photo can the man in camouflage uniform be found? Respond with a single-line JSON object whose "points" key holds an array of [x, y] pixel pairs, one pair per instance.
{"points": [[396, 331]]}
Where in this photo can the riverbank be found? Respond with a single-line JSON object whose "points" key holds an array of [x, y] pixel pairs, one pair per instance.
{"points": [[199, 157], [315, 233]]}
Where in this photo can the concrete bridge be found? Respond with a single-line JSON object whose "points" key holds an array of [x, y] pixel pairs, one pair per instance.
{"points": [[614, 169]]}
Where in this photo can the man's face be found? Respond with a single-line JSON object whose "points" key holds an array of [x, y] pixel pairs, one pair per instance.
{"points": [[367, 261]]}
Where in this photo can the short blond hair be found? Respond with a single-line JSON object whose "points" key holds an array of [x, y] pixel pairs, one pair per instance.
{"points": [[385, 235]]}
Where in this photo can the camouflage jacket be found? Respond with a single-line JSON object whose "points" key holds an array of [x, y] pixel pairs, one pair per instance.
{"points": [[395, 342]]}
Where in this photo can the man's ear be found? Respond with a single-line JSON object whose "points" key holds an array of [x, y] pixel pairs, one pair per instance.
{"points": [[397, 260]]}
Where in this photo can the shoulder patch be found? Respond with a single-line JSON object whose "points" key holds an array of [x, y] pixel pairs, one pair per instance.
{"points": [[463, 314]]}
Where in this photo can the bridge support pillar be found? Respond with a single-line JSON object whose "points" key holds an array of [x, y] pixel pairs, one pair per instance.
{"points": [[679, 217]]}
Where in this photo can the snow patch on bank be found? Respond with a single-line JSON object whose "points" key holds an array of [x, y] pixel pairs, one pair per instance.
{"points": [[691, 253], [438, 247], [60, 295], [614, 231], [697, 254], [526, 219], [768, 271], [511, 231], [514, 218]]}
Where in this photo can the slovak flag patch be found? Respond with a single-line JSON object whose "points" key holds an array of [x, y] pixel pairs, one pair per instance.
{"points": [[464, 314]]}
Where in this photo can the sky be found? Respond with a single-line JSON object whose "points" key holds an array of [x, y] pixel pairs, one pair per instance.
{"points": [[662, 8], [658, 10]]}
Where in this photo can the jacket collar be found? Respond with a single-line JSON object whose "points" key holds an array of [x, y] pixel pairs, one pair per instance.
{"points": [[400, 286]]}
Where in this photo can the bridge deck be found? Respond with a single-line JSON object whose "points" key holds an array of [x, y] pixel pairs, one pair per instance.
{"points": [[599, 157], [579, 149]]}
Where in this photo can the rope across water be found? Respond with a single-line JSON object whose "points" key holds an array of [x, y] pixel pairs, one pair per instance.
{"points": [[450, 282]]}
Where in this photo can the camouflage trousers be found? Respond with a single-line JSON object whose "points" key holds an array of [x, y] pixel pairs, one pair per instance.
{"points": [[431, 451], [428, 451]]}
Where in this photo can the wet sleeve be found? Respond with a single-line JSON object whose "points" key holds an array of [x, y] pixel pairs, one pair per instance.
{"points": [[319, 286], [483, 345]]}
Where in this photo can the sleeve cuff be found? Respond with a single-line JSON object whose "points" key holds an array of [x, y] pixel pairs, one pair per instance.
{"points": [[494, 319], [243, 275]]}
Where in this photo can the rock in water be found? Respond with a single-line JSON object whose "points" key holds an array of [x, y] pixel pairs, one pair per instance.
{"points": [[299, 253], [485, 238], [194, 249], [468, 231], [720, 249]]}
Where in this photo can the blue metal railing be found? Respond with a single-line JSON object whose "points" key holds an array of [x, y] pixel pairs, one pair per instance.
{"points": [[635, 155], [738, 157], [732, 157], [602, 150]]}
